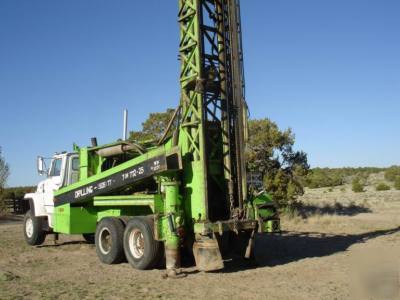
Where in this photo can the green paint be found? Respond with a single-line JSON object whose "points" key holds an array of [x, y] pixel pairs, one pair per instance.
{"points": [[172, 208], [77, 220], [110, 212], [191, 136], [74, 220], [271, 226], [194, 192], [258, 203], [129, 200], [83, 163], [101, 175], [264, 213]]}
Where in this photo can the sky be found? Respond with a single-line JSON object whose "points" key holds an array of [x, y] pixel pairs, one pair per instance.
{"points": [[330, 70]]}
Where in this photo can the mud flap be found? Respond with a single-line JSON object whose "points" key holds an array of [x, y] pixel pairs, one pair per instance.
{"points": [[207, 255]]}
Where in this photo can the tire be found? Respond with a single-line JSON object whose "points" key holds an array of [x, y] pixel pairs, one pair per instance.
{"points": [[89, 237], [33, 229], [108, 240], [141, 250]]}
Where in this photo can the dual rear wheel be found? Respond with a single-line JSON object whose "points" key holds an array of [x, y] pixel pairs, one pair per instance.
{"points": [[134, 240]]}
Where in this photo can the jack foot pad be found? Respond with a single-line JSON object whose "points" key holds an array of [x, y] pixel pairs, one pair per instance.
{"points": [[174, 274]]}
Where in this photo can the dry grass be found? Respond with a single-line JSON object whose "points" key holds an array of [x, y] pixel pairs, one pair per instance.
{"points": [[338, 208]]}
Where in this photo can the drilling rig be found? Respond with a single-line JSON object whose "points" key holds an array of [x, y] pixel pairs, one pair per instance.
{"points": [[187, 192]]}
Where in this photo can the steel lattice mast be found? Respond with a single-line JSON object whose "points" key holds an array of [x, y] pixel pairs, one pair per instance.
{"points": [[213, 114]]}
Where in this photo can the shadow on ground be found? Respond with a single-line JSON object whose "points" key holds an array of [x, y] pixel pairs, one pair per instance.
{"points": [[309, 210], [275, 250], [52, 244], [293, 246], [9, 219]]}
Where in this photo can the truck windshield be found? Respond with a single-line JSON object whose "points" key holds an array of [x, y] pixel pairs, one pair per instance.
{"points": [[56, 167]]}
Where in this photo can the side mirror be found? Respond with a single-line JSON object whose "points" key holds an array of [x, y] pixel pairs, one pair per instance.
{"points": [[41, 166]]}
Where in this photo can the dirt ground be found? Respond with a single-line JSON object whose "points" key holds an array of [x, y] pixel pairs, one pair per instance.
{"points": [[341, 245]]}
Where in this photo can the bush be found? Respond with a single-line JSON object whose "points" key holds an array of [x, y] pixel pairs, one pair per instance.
{"points": [[397, 183], [392, 173], [283, 187], [326, 177], [382, 187], [323, 178], [357, 186], [270, 153]]}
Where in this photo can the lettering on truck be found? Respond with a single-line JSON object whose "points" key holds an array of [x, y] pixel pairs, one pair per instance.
{"points": [[89, 189]]}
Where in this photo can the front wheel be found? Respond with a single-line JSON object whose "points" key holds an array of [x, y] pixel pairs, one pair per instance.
{"points": [[33, 229], [141, 249]]}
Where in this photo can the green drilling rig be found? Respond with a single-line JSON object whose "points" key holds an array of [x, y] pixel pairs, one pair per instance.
{"points": [[185, 193]]}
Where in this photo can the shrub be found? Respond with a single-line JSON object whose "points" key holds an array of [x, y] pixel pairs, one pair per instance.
{"points": [[291, 212], [323, 178], [357, 186], [397, 183], [382, 187], [283, 187], [326, 177], [270, 152], [392, 173]]}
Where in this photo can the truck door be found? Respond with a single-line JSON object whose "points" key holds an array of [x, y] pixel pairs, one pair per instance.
{"points": [[72, 174], [53, 183]]}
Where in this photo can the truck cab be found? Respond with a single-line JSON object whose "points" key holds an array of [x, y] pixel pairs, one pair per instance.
{"points": [[63, 170]]}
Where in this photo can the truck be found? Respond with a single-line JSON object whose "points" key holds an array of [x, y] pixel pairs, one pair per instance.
{"points": [[186, 193]]}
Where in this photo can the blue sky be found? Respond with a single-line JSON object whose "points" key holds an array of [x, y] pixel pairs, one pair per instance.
{"points": [[330, 70]]}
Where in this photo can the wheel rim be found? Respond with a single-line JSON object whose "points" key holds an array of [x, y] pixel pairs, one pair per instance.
{"points": [[136, 243], [29, 227], [105, 241]]}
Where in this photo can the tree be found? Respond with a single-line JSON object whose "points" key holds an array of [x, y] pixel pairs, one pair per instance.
{"points": [[270, 152], [153, 128], [4, 171]]}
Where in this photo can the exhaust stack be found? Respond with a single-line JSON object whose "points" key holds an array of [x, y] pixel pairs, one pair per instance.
{"points": [[125, 129]]}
